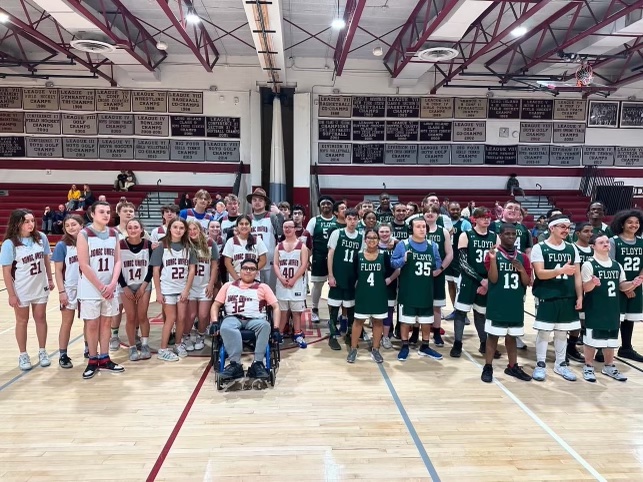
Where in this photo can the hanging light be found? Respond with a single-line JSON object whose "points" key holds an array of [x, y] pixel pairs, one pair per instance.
{"points": [[338, 23], [192, 16], [4, 18]]}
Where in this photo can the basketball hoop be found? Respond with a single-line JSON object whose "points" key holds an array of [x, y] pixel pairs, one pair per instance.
{"points": [[584, 75]]}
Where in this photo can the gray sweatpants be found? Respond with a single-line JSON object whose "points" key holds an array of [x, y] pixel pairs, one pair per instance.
{"points": [[231, 336]]}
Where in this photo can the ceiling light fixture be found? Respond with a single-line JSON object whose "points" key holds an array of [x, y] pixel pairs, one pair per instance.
{"points": [[519, 31], [338, 23], [378, 51], [192, 16], [161, 45], [4, 18]]}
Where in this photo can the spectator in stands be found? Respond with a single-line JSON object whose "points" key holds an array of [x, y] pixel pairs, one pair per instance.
{"points": [[540, 227], [219, 211], [87, 197], [47, 220], [73, 198], [59, 220], [498, 210], [466, 212], [186, 202], [284, 209], [119, 184], [130, 180], [444, 209], [513, 185]]}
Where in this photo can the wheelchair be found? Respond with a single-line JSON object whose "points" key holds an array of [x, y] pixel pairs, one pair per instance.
{"points": [[219, 354]]}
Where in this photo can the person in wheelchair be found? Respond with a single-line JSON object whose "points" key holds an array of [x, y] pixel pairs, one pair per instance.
{"points": [[243, 301]]}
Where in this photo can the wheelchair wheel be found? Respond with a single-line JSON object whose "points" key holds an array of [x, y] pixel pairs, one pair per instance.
{"points": [[217, 376], [273, 377]]}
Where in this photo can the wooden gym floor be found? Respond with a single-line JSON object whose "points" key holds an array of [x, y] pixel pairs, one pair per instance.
{"points": [[324, 420]]}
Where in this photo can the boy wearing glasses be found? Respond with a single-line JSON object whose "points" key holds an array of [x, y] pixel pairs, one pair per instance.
{"points": [[559, 289]]}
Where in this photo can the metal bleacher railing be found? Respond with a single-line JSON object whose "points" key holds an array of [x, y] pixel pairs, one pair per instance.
{"points": [[597, 185]]}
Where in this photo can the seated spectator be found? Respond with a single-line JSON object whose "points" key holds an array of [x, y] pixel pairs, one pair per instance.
{"points": [[185, 202], [540, 227], [246, 315], [87, 197], [130, 180], [466, 212], [59, 220], [219, 211], [284, 209], [513, 185], [47, 220], [121, 179], [73, 198]]}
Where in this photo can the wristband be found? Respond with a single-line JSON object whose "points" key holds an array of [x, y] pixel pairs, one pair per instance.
{"points": [[61, 292]]}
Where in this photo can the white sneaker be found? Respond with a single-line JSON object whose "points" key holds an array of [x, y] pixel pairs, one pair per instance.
{"points": [[133, 354], [44, 358], [199, 344], [540, 372], [114, 343], [588, 374], [166, 355], [386, 343], [187, 343], [520, 344], [315, 317], [612, 372], [193, 336], [24, 362], [181, 351], [564, 371]]}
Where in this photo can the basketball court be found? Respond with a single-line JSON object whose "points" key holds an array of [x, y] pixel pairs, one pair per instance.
{"points": [[323, 420]]}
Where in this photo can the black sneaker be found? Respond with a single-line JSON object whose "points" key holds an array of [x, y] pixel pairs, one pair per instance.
{"points": [[456, 349], [90, 371], [574, 354], [599, 356], [437, 339], [233, 371], [65, 362], [172, 339], [257, 370], [110, 366], [483, 351], [630, 354], [487, 374], [518, 372], [333, 343], [86, 355]]}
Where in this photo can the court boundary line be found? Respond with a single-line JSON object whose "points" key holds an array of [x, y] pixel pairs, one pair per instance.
{"points": [[557, 438], [25, 373], [158, 465], [409, 426]]}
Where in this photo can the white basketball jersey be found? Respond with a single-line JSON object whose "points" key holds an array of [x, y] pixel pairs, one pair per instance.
{"points": [[289, 264], [28, 272], [263, 229], [174, 274], [71, 272], [244, 302], [203, 222], [158, 234], [102, 254], [135, 265], [239, 253], [203, 269]]}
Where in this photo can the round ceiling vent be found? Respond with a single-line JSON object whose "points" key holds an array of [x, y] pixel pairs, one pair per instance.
{"points": [[92, 46], [437, 54]]}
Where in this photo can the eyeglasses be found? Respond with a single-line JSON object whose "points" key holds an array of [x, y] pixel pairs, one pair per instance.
{"points": [[249, 269], [372, 238], [563, 227]]}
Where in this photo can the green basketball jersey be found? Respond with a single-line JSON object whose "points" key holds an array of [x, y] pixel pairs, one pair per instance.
{"points": [[477, 249], [602, 304], [391, 289], [370, 292], [384, 216], [343, 258], [400, 231], [523, 236], [584, 253], [439, 238], [629, 256], [416, 277], [505, 298], [562, 286], [321, 233]]}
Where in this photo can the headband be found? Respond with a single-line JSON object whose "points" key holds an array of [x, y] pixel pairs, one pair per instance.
{"points": [[558, 221]]}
